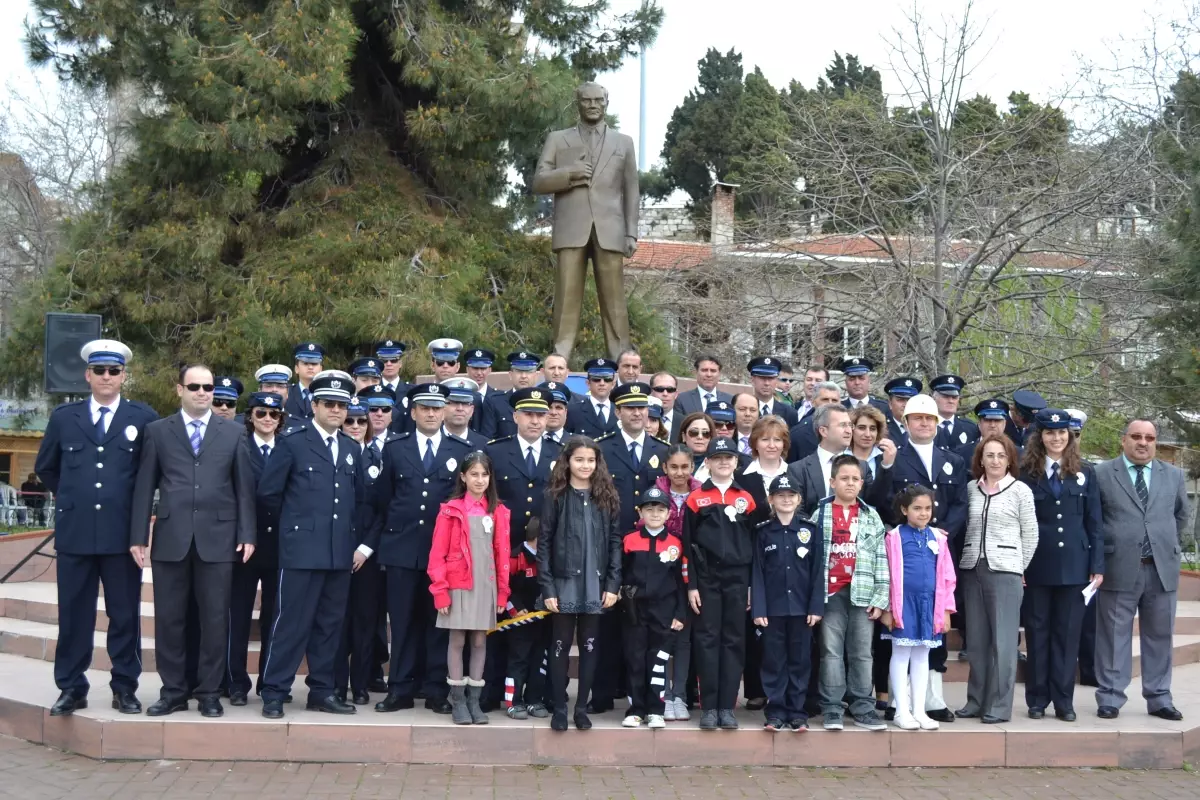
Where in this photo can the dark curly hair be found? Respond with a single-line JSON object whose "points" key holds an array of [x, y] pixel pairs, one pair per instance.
{"points": [[602, 490], [1033, 462], [905, 497]]}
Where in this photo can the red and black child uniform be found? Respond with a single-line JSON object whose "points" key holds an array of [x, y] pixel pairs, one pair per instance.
{"points": [[525, 681], [654, 597]]}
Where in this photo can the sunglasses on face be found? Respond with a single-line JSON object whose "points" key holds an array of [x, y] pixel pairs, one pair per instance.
{"points": [[200, 387], [224, 403], [598, 379], [390, 360], [114, 371], [699, 434], [442, 363], [665, 389], [356, 421], [335, 404], [1149, 438], [379, 410], [722, 424], [263, 413], [787, 380]]}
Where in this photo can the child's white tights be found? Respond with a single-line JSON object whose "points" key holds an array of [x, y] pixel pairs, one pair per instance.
{"points": [[908, 673]]}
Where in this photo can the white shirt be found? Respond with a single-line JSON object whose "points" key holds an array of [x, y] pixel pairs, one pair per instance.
{"points": [[707, 397], [602, 407], [943, 422], [925, 451], [743, 442], [641, 443], [260, 443], [95, 407], [324, 434], [187, 423], [826, 458], [394, 386], [865, 401], [803, 409], [379, 441], [1050, 462], [768, 404], [422, 439], [767, 477], [665, 425], [554, 436], [535, 446]]}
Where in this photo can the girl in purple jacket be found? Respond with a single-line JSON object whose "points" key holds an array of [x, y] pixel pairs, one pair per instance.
{"points": [[922, 597]]}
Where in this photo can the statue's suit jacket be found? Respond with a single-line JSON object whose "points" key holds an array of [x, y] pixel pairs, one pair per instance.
{"points": [[609, 201]]}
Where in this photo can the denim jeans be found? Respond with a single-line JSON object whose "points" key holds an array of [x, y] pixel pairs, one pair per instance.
{"points": [[846, 632]]}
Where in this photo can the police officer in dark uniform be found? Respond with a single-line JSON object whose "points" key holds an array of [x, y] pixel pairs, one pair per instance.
{"points": [[274, 378], [419, 471], [1026, 404], [309, 356], [1087, 638], [635, 461], [366, 371], [381, 412], [461, 407], [899, 391], [954, 432], [479, 367], [390, 353], [992, 416], [264, 412], [858, 385], [592, 414], [226, 391], [314, 481], [89, 459], [559, 397], [523, 372], [1069, 555], [764, 378]]}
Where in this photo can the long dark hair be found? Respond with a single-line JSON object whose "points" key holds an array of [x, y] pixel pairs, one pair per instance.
{"points": [[905, 497], [1033, 463], [490, 498], [604, 494]]}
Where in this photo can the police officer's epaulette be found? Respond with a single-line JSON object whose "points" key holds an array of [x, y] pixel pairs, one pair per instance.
{"points": [[457, 438], [399, 436], [391, 437], [604, 436], [500, 439], [138, 405], [660, 439], [294, 429], [765, 522]]}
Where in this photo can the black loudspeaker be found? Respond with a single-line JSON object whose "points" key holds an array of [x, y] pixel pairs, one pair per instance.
{"points": [[66, 334]]}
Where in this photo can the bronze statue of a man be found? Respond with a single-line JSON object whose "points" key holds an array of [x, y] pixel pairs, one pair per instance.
{"points": [[591, 170]]}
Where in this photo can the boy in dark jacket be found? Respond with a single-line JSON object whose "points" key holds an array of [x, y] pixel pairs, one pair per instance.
{"points": [[787, 598], [653, 608], [525, 681]]}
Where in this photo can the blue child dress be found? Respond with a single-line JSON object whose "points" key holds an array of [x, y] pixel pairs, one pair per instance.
{"points": [[920, 575]]}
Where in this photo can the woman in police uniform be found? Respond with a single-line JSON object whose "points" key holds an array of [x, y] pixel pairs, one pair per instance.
{"points": [[1069, 555]]}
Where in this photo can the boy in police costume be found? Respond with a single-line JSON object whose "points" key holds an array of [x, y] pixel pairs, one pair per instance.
{"points": [[89, 459]]}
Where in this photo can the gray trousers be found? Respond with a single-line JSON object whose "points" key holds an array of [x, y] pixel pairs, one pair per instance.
{"points": [[993, 614], [846, 633], [1155, 607]]}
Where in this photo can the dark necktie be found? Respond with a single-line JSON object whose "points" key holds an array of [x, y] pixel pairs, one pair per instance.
{"points": [[603, 410], [765, 410], [329, 444], [946, 426], [100, 424], [1055, 481], [427, 459], [266, 451], [530, 464], [633, 455], [373, 453], [1143, 493]]}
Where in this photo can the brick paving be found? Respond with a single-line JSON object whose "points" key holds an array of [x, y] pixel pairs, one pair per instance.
{"points": [[33, 772]]}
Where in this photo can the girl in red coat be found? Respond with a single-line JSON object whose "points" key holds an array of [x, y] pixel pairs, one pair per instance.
{"points": [[468, 574]]}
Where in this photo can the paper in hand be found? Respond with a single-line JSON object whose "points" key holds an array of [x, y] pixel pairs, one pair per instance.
{"points": [[1089, 592]]}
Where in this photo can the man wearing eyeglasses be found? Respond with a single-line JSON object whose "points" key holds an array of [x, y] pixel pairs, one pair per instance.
{"points": [[315, 481], [89, 458], [803, 434], [226, 391], [309, 356], [666, 388], [205, 521], [592, 415], [1145, 506]]}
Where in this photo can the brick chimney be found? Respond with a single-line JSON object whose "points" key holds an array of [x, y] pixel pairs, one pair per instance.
{"points": [[721, 232]]}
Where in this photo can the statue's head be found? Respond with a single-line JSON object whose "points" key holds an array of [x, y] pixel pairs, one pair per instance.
{"points": [[592, 101]]}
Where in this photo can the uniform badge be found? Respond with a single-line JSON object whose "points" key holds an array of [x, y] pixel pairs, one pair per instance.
{"points": [[805, 536], [653, 462], [802, 551], [131, 433], [487, 524], [373, 471], [349, 460], [669, 555], [933, 546], [946, 468], [1080, 479], [451, 464], [404, 402], [741, 505], [552, 463], [703, 501], [962, 437], [731, 512]]}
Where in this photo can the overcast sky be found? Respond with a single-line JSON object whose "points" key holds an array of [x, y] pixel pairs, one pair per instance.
{"points": [[1031, 45]]}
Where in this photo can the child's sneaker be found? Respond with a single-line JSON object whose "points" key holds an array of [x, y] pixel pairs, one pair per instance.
{"points": [[516, 711], [798, 725], [708, 719], [655, 721], [669, 709], [774, 724], [631, 721], [682, 713], [833, 721], [870, 721], [727, 720], [538, 711]]}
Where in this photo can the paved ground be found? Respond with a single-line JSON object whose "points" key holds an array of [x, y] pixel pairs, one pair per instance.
{"points": [[32, 772]]}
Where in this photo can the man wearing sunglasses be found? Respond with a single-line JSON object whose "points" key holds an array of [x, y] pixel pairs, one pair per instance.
{"points": [[592, 415], [226, 391], [381, 408], [460, 408], [315, 481], [309, 356], [524, 372], [89, 458], [274, 378], [559, 399], [443, 358], [666, 388], [205, 521], [479, 369]]}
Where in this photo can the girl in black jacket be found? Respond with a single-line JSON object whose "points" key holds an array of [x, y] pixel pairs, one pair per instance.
{"points": [[579, 566]]}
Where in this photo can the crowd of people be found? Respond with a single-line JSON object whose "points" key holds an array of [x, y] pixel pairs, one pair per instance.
{"points": [[454, 543]]}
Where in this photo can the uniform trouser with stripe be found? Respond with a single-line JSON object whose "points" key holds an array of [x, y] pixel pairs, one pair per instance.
{"points": [[527, 666], [786, 666], [246, 579], [356, 648], [79, 579], [308, 623], [719, 636], [1053, 621], [648, 645]]}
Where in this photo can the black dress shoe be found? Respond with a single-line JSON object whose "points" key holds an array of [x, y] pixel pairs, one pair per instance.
{"points": [[377, 685], [361, 698], [331, 705], [340, 694], [67, 704], [1108, 712], [438, 705], [599, 707], [558, 722], [1066, 716], [581, 720], [238, 699], [394, 702], [211, 707], [988, 719], [273, 709], [941, 715], [1169, 713], [126, 703], [164, 706], [962, 713], [1037, 713]]}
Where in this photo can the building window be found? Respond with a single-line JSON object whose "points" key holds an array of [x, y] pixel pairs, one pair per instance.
{"points": [[853, 341]]}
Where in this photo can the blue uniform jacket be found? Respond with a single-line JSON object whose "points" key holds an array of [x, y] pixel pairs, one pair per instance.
{"points": [[949, 485], [803, 440], [522, 492], [875, 401], [582, 418], [630, 482], [406, 501], [315, 499], [266, 517], [784, 583], [961, 441], [497, 415], [1070, 531], [92, 480], [296, 406]]}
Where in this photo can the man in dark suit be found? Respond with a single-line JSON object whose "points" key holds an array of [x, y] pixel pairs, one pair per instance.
{"points": [[309, 356], [954, 432], [460, 411], [764, 379], [524, 372], [665, 387], [420, 468], [560, 400], [899, 391], [858, 385], [1145, 507], [811, 475], [803, 435], [479, 368], [205, 521], [592, 415], [89, 459], [390, 353], [708, 375], [314, 481]]}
